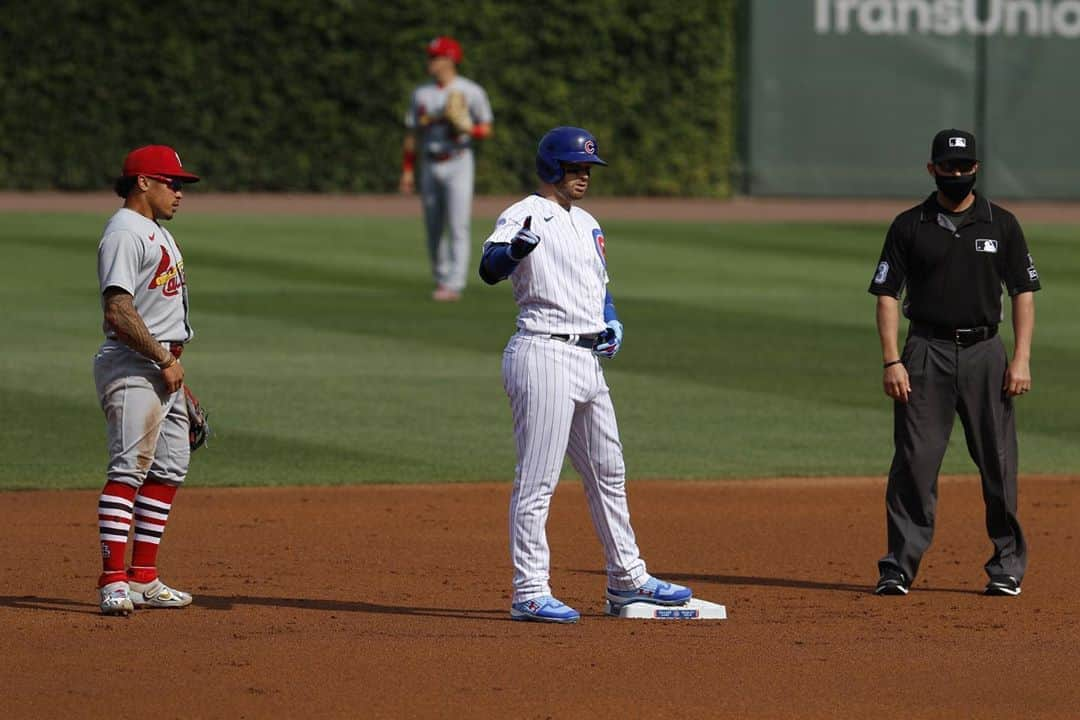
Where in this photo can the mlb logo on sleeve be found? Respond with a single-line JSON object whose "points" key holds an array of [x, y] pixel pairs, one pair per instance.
{"points": [[986, 245]]}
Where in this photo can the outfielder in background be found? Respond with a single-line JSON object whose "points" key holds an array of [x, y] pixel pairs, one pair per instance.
{"points": [[140, 379], [444, 118], [954, 253], [554, 254]]}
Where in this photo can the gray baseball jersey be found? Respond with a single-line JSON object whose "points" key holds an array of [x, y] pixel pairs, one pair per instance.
{"points": [[140, 256], [435, 136]]}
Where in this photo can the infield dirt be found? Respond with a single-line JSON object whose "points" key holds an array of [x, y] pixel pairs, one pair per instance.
{"points": [[392, 601]]}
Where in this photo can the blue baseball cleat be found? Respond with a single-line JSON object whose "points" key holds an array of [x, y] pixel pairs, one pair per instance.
{"points": [[544, 609], [656, 592]]}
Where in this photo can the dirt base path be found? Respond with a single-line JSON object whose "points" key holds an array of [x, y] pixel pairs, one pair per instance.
{"points": [[740, 209], [392, 602]]}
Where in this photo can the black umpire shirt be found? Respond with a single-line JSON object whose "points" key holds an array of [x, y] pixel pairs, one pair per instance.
{"points": [[954, 275]]}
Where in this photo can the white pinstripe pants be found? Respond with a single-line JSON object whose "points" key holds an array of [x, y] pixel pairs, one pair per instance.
{"points": [[561, 403]]}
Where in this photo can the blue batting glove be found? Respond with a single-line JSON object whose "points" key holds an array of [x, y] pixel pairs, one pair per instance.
{"points": [[609, 341]]}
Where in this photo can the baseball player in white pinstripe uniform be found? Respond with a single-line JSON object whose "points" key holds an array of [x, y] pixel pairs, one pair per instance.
{"points": [[554, 254]]}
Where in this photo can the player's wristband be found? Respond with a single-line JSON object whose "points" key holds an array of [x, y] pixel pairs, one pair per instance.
{"points": [[408, 160], [890, 364], [481, 131], [167, 362]]}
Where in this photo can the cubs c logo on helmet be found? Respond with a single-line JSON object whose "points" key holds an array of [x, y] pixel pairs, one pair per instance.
{"points": [[590, 147]]}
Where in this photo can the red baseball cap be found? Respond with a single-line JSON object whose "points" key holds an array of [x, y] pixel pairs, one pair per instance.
{"points": [[156, 160], [445, 46]]}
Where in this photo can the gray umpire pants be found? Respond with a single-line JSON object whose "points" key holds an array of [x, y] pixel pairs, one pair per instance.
{"points": [[446, 190], [947, 379]]}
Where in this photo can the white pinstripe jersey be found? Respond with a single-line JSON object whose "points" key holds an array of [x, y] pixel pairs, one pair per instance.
{"points": [[140, 256], [560, 286]]}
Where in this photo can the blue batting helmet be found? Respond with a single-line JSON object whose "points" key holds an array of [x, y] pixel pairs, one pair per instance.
{"points": [[564, 144]]}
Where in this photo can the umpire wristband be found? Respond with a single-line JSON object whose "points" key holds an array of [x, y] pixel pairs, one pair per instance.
{"points": [[890, 364]]}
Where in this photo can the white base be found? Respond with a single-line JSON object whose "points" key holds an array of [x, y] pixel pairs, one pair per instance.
{"points": [[693, 610]]}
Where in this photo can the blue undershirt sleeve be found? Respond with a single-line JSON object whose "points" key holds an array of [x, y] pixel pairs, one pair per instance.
{"points": [[609, 308], [496, 264]]}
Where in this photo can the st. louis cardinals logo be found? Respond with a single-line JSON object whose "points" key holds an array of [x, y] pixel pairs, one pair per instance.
{"points": [[590, 147], [422, 117], [168, 278], [601, 248]]}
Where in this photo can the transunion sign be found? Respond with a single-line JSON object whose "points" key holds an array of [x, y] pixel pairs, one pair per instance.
{"points": [[1029, 18]]}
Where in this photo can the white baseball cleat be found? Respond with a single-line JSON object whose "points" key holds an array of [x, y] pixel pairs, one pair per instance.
{"points": [[156, 594], [116, 599]]}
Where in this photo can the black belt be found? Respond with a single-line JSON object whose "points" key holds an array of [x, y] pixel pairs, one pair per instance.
{"points": [[585, 341], [961, 336], [444, 156]]}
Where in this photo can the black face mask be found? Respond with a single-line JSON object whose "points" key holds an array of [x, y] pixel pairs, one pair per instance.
{"points": [[955, 187]]}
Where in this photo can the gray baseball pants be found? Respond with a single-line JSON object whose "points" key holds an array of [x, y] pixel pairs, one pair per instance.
{"points": [[147, 426], [947, 379], [446, 190]]}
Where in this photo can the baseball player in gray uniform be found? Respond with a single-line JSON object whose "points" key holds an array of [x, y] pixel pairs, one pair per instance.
{"points": [[554, 254], [444, 118], [140, 379]]}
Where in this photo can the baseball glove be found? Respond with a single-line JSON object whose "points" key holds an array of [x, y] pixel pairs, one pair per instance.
{"points": [[457, 112], [198, 428]]}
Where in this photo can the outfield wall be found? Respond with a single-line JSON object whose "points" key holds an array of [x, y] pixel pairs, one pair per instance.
{"points": [[827, 98], [842, 97]]}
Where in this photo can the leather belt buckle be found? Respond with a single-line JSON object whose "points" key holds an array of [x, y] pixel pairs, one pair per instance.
{"points": [[970, 336], [961, 336]]}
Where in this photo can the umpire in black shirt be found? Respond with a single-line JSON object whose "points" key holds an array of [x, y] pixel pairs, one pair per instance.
{"points": [[953, 254]]}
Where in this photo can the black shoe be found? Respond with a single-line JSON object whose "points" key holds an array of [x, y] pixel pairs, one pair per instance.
{"points": [[892, 582], [1002, 585]]}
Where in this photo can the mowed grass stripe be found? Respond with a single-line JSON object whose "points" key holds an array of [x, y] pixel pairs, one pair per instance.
{"points": [[750, 351]]}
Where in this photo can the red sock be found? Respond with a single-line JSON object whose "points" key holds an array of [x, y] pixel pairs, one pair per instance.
{"points": [[115, 507], [151, 515]]}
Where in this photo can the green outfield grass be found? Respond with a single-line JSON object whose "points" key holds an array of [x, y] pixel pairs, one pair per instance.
{"points": [[750, 351]]}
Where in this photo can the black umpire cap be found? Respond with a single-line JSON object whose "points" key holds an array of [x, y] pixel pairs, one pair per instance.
{"points": [[953, 144]]}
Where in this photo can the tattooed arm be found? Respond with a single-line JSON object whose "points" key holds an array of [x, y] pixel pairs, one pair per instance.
{"points": [[121, 316]]}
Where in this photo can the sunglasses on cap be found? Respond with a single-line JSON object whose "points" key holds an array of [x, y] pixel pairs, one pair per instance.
{"points": [[174, 184]]}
